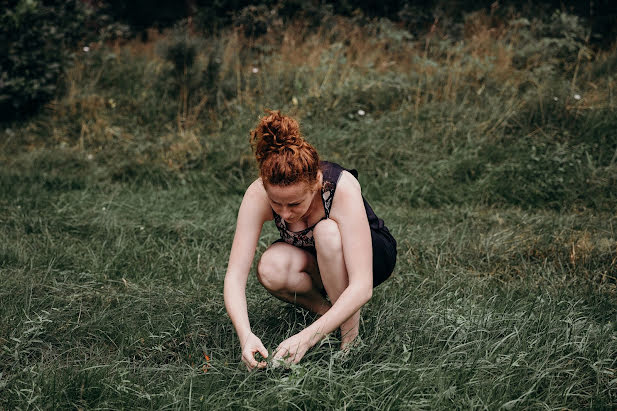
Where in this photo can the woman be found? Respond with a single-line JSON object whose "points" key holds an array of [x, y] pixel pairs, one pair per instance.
{"points": [[332, 252]]}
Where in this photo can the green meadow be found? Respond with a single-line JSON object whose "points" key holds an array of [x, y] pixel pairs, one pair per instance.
{"points": [[492, 157]]}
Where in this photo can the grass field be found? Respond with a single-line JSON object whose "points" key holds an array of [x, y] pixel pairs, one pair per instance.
{"points": [[494, 165]]}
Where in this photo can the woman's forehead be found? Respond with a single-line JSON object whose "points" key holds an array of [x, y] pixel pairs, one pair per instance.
{"points": [[287, 194]]}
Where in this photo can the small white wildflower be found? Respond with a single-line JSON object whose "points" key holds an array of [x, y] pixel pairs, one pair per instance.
{"points": [[86, 49], [577, 97], [255, 70], [294, 101], [141, 228], [361, 112], [104, 208], [90, 157], [555, 98]]}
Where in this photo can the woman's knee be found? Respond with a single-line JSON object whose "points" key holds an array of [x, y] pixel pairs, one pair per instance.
{"points": [[328, 238], [272, 270]]}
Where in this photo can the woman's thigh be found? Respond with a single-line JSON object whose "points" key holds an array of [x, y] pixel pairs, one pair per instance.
{"points": [[281, 260], [383, 247]]}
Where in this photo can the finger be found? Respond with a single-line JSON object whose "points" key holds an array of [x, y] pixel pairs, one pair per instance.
{"points": [[280, 353], [246, 363], [263, 351], [297, 358], [282, 350], [249, 361], [248, 366], [262, 364]]}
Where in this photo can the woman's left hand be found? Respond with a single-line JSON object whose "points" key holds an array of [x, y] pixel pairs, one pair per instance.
{"points": [[292, 349]]}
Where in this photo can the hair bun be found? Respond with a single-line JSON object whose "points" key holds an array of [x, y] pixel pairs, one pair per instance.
{"points": [[276, 134]]}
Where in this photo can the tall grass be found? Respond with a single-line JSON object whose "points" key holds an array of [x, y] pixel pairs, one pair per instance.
{"points": [[492, 161]]}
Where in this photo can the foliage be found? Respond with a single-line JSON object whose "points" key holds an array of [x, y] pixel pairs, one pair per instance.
{"points": [[470, 105], [141, 14], [118, 204], [547, 46], [37, 38], [416, 16]]}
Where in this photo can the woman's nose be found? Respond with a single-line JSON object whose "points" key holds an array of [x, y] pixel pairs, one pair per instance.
{"points": [[285, 213]]}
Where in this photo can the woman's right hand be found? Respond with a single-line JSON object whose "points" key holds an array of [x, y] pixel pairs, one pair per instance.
{"points": [[253, 345]]}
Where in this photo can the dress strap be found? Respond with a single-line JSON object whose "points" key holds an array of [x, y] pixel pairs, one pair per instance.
{"points": [[327, 195], [331, 173]]}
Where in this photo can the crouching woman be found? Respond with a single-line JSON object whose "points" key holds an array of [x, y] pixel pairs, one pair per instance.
{"points": [[332, 252]]}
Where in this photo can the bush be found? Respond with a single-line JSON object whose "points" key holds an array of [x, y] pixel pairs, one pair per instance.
{"points": [[545, 47], [36, 38]]}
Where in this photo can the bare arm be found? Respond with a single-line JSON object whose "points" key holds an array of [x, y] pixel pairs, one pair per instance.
{"points": [[349, 213], [254, 211]]}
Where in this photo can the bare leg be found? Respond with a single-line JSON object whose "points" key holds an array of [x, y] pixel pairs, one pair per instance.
{"points": [[291, 274], [334, 272]]}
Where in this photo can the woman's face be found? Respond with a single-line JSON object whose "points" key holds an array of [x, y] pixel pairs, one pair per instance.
{"points": [[290, 202]]}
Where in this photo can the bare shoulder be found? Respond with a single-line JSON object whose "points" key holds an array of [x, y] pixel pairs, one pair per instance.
{"points": [[348, 196], [256, 189], [347, 184], [256, 200]]}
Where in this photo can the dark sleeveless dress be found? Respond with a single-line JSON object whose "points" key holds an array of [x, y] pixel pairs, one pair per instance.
{"points": [[384, 245]]}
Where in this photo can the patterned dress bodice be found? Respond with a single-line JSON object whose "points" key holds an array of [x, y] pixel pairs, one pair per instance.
{"points": [[304, 238], [331, 173]]}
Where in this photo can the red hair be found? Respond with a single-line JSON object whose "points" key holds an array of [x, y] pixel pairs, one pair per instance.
{"points": [[283, 155]]}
